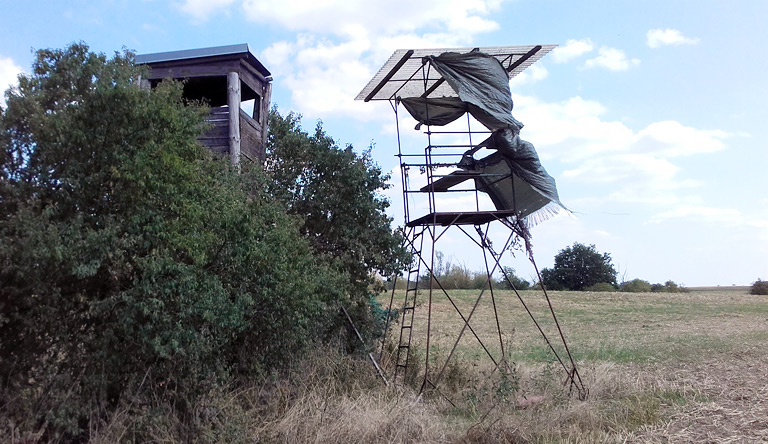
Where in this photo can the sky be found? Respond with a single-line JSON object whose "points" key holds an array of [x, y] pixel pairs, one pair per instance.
{"points": [[651, 116]]}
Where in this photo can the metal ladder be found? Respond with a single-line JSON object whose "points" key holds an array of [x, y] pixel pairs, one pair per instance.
{"points": [[409, 303]]}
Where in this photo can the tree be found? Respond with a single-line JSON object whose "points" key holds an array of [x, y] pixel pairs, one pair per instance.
{"points": [[578, 267], [336, 194], [131, 259]]}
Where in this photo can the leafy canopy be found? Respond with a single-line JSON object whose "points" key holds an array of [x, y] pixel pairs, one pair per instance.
{"points": [[336, 194], [578, 267], [133, 259]]}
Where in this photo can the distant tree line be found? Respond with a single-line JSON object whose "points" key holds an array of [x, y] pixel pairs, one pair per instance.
{"points": [[582, 267], [450, 275], [576, 268]]}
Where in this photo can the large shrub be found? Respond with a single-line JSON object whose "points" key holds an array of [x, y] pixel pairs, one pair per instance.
{"points": [[508, 279], [335, 194], [132, 262], [636, 286]]}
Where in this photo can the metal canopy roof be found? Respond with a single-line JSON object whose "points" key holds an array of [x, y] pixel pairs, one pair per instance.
{"points": [[402, 75]]}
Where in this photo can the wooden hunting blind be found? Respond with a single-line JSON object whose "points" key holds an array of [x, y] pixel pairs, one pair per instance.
{"points": [[229, 79]]}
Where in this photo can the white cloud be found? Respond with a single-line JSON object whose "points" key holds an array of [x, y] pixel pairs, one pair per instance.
{"points": [[728, 216], [623, 167], [9, 73], [632, 166], [343, 43], [736, 220], [662, 37], [612, 59], [572, 49], [201, 10], [324, 77], [532, 74], [570, 130], [672, 139], [395, 16]]}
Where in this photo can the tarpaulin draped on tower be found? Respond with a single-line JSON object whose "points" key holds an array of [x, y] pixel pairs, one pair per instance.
{"points": [[481, 85]]}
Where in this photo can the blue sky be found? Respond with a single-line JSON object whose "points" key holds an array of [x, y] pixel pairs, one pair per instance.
{"points": [[650, 115]]}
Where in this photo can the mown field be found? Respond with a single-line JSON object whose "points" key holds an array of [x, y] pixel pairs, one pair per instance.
{"points": [[659, 367]]}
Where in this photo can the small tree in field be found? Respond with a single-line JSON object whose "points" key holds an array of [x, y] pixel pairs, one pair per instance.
{"points": [[578, 267]]}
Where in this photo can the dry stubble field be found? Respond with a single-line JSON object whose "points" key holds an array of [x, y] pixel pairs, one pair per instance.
{"points": [[660, 367]]}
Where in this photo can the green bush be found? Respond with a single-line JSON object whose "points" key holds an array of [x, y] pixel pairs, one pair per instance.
{"points": [[759, 287], [515, 281], [601, 287], [668, 287], [635, 286], [136, 267], [335, 195], [453, 276]]}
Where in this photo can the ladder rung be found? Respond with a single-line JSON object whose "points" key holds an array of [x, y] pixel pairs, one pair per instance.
{"points": [[406, 326], [403, 346]]}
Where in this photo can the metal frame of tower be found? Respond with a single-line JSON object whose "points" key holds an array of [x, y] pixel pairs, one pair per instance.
{"points": [[408, 73]]}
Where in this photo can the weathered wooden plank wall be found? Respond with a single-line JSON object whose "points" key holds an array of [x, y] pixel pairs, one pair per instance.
{"points": [[251, 136]]}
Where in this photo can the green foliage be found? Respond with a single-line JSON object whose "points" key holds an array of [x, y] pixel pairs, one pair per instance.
{"points": [[457, 276], [517, 282], [130, 257], [601, 287], [759, 287], [579, 267], [336, 196], [668, 287], [635, 286]]}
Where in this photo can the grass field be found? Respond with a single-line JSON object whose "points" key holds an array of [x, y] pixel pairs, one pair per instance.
{"points": [[660, 367]]}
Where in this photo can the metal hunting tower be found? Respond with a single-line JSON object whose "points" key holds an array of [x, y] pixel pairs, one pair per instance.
{"points": [[230, 80], [475, 177]]}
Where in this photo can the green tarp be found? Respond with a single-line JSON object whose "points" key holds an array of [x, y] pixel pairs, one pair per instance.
{"points": [[482, 87]]}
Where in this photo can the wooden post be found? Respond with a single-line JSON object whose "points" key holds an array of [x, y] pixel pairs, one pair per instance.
{"points": [[143, 83], [265, 119], [233, 103]]}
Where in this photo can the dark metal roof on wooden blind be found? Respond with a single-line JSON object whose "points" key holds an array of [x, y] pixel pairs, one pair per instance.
{"points": [[225, 52]]}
